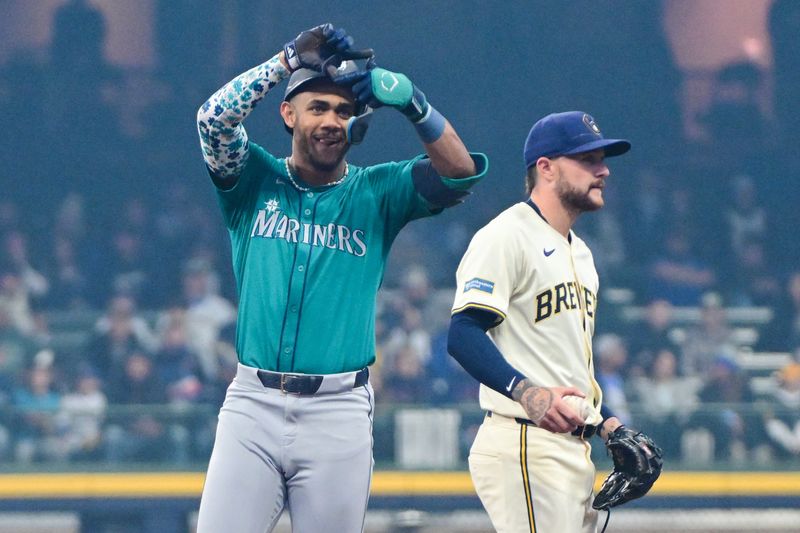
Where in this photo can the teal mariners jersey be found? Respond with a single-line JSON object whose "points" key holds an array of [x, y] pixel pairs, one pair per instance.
{"points": [[308, 264]]}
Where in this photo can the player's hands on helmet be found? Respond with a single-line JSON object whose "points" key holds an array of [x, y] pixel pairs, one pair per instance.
{"points": [[378, 87], [546, 407], [312, 47]]}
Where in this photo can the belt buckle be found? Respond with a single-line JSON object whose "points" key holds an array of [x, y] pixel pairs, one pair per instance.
{"points": [[283, 384]]}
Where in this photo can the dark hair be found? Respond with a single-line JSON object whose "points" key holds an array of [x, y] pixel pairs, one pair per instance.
{"points": [[530, 179]]}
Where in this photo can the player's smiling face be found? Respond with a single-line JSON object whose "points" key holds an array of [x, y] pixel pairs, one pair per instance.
{"points": [[319, 120], [581, 180]]}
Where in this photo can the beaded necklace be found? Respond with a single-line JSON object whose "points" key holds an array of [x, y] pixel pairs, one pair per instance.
{"points": [[306, 189]]}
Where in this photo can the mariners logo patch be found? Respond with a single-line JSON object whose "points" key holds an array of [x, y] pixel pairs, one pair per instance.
{"points": [[272, 205], [479, 285]]}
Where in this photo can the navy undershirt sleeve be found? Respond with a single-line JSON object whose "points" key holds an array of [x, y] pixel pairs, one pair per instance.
{"points": [[606, 413], [468, 343]]}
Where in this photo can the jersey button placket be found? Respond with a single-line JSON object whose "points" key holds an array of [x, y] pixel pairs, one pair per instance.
{"points": [[296, 289]]}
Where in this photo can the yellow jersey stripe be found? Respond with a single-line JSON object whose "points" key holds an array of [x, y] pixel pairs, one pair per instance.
{"points": [[480, 306], [526, 481], [587, 340]]}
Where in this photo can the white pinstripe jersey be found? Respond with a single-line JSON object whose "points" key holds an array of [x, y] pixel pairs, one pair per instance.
{"points": [[544, 287]]}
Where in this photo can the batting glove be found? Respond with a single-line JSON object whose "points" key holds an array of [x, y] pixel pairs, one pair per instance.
{"points": [[312, 47], [378, 87]]}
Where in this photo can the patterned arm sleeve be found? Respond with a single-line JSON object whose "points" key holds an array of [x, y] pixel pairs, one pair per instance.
{"points": [[219, 120]]}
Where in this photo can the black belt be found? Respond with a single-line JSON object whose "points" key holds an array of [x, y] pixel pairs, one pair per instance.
{"points": [[303, 383], [584, 432]]}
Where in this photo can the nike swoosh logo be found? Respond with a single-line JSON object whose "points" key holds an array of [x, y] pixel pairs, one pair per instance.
{"points": [[511, 385], [548, 253]]}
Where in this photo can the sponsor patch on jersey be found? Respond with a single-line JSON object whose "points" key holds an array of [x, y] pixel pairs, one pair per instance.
{"points": [[479, 285]]}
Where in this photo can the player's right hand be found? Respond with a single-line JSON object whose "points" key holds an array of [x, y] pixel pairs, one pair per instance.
{"points": [[312, 47], [377, 87], [546, 407]]}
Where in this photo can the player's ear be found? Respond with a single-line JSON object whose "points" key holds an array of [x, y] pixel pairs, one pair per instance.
{"points": [[289, 114], [545, 168]]}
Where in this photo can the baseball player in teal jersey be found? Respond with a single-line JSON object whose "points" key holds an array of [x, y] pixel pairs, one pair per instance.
{"points": [[310, 235]]}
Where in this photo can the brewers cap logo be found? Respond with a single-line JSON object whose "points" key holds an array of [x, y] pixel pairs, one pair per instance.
{"points": [[591, 124]]}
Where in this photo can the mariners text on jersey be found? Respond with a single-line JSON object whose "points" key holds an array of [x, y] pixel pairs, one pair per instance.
{"points": [[333, 236]]}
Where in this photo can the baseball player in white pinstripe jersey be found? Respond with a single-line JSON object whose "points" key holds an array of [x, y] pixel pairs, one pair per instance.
{"points": [[530, 282]]}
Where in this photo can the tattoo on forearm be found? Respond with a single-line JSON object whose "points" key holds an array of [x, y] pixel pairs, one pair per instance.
{"points": [[535, 400], [520, 389]]}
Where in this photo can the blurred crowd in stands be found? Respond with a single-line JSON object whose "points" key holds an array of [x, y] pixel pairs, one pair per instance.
{"points": [[75, 371], [116, 293]]}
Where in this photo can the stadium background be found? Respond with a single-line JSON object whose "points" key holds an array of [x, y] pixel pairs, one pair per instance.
{"points": [[116, 293]]}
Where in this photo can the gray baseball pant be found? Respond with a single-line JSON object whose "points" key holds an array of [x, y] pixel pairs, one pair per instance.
{"points": [[312, 453]]}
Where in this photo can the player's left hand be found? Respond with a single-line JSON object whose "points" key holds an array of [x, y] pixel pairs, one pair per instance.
{"points": [[378, 87], [312, 47], [546, 406], [637, 465]]}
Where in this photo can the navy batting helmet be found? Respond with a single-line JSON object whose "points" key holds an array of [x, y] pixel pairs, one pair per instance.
{"points": [[303, 80]]}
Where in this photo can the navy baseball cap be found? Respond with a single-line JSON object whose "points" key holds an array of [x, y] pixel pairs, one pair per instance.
{"points": [[571, 132]]}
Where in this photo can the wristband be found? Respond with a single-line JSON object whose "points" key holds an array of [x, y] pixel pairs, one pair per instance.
{"points": [[290, 54], [431, 126]]}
